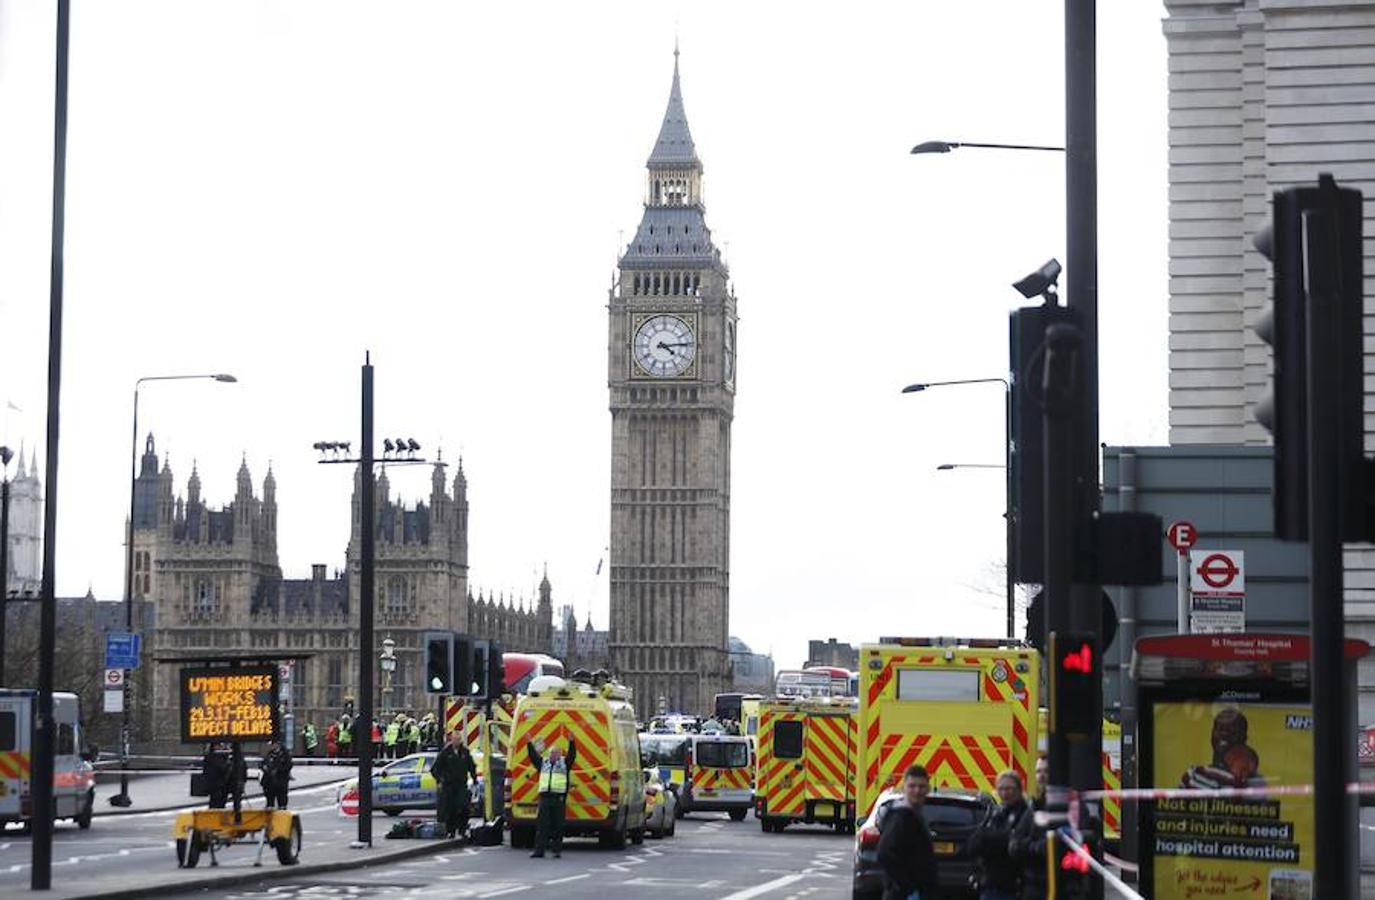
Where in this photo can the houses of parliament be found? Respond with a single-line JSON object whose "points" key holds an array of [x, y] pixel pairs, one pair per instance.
{"points": [[213, 582]]}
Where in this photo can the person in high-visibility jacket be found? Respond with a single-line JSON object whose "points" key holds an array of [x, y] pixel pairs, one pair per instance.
{"points": [[345, 737], [554, 772], [412, 736], [389, 738]]}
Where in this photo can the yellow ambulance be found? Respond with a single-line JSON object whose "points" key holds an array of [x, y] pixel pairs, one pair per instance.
{"points": [[606, 795], [806, 763], [963, 708]]}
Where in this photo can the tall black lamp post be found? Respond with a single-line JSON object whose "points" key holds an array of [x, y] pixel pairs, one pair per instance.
{"points": [[6, 454], [1009, 512], [402, 452], [122, 798]]}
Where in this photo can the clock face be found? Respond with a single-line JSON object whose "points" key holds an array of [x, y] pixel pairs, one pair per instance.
{"points": [[730, 352], [664, 346]]}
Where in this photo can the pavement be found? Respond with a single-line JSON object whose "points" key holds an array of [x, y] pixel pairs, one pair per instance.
{"points": [[164, 791], [711, 857], [132, 855]]}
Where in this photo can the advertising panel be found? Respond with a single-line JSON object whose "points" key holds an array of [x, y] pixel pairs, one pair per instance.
{"points": [[229, 704], [1232, 846]]}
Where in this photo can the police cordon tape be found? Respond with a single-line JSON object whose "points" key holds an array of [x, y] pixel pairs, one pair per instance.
{"points": [[1081, 853], [1285, 790]]}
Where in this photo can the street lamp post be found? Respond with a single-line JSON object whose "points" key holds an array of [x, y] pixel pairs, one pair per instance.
{"points": [[6, 454], [388, 662], [1009, 512], [947, 146], [122, 798], [402, 453]]}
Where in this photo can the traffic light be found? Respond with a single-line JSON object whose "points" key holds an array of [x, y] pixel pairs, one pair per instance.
{"points": [[1313, 243], [1076, 673], [439, 662], [488, 671]]}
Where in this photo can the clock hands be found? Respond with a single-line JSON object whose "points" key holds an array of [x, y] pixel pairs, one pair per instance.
{"points": [[669, 347]]}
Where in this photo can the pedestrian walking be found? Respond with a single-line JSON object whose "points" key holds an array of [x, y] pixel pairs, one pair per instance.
{"points": [[1000, 875], [310, 739], [215, 774], [554, 774], [376, 740], [332, 740], [454, 769], [905, 852], [1027, 845], [276, 774]]}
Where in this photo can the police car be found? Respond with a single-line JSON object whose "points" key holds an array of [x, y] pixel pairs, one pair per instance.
{"points": [[398, 786]]}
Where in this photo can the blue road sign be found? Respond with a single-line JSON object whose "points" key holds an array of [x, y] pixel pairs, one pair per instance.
{"points": [[122, 650]]}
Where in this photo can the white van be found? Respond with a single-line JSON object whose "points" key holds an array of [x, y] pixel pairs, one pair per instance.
{"points": [[720, 775], [73, 777]]}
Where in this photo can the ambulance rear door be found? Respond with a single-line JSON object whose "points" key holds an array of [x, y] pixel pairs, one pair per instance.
{"points": [[828, 761], [16, 736]]}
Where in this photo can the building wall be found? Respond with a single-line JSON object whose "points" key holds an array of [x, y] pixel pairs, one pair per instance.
{"points": [[832, 653], [213, 580], [1264, 94], [24, 566]]}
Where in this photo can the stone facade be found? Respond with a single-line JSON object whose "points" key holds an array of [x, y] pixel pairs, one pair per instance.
{"points": [[671, 360], [831, 652], [213, 579], [25, 562], [752, 673], [1264, 94], [585, 648]]}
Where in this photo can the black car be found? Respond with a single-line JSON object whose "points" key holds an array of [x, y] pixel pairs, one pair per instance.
{"points": [[952, 817]]}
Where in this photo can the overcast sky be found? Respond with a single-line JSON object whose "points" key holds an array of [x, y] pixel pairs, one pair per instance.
{"points": [[272, 189]]}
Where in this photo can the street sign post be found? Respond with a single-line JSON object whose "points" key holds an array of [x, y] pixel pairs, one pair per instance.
{"points": [[1182, 536], [114, 690], [1217, 585], [122, 649]]}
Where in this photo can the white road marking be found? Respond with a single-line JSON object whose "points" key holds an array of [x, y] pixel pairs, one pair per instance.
{"points": [[760, 889], [570, 878], [509, 890]]}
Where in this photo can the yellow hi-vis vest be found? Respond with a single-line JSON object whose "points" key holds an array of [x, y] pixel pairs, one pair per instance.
{"points": [[553, 778], [389, 737]]}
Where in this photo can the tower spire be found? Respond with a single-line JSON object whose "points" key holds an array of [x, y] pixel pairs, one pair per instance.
{"points": [[674, 147]]}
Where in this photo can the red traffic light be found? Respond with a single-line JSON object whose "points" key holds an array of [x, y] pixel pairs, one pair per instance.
{"points": [[1080, 660], [1075, 861]]}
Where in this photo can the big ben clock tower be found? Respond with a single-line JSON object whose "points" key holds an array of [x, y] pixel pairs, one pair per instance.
{"points": [[672, 379]]}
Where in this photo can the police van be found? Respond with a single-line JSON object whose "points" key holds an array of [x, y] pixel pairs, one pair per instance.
{"points": [[73, 776]]}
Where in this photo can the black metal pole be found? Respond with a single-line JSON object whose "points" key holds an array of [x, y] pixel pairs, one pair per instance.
{"points": [[122, 798], [1331, 728], [1081, 264], [363, 736], [1060, 389], [1009, 514], [4, 567], [44, 730]]}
